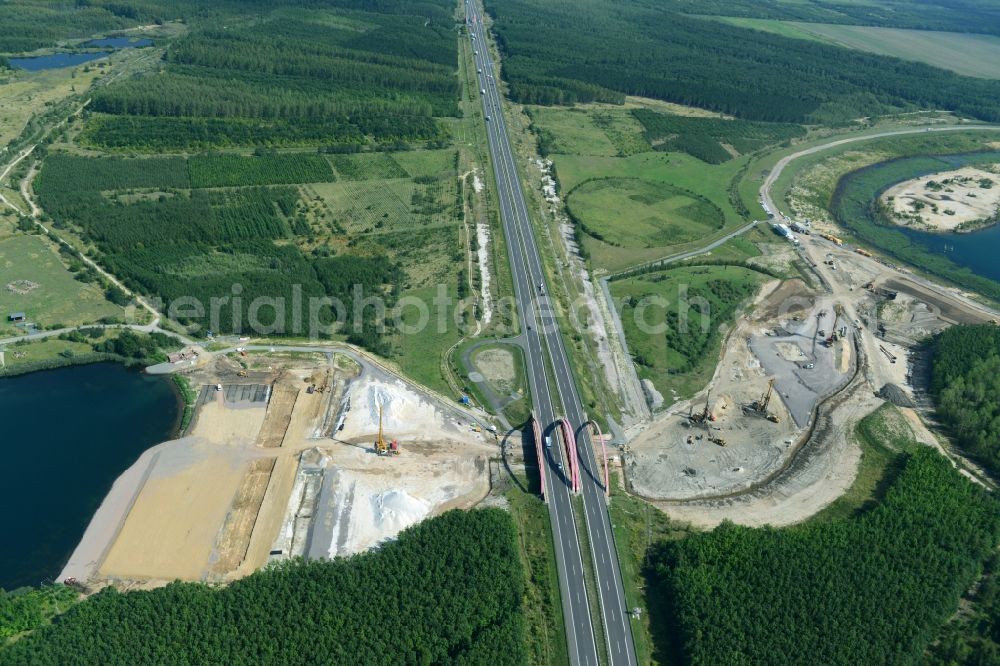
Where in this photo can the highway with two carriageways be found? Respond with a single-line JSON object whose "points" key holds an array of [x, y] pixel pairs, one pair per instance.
{"points": [[542, 342]]}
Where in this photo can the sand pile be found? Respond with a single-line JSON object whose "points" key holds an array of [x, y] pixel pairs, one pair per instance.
{"points": [[395, 510], [376, 516], [405, 413]]}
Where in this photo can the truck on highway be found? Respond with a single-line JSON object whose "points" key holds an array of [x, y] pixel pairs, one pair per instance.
{"points": [[482, 91]]}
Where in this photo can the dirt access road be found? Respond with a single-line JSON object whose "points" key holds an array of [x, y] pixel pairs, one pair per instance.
{"points": [[772, 177]]}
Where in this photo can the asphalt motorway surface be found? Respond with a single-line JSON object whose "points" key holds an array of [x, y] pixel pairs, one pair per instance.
{"points": [[542, 338]]}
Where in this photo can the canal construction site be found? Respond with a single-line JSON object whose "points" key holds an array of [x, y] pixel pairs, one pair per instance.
{"points": [[770, 440], [287, 454], [774, 369]]}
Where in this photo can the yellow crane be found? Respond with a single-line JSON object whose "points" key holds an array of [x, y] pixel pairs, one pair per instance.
{"points": [[760, 406], [382, 447]]}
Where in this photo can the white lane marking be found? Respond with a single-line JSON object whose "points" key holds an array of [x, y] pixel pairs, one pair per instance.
{"points": [[517, 209]]}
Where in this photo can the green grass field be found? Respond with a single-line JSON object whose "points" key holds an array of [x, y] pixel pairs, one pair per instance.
{"points": [[57, 298], [364, 166], [695, 305], [644, 204], [968, 54], [402, 204], [420, 352], [675, 171], [632, 213], [573, 132]]}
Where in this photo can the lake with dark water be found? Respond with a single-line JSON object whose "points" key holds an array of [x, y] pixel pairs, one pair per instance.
{"points": [[67, 435], [55, 60], [978, 251]]}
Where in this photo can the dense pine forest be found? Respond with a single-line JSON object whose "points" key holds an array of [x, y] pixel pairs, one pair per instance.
{"points": [[177, 243], [563, 51], [966, 387], [448, 591], [293, 76], [705, 138], [872, 589]]}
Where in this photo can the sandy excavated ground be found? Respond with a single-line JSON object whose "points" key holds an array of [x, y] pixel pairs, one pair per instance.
{"points": [[957, 199], [675, 459], [826, 464], [406, 414], [343, 498], [497, 365], [367, 499], [171, 529], [212, 505]]}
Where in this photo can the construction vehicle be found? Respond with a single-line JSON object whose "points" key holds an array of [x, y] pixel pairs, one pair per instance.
{"points": [[381, 446], [703, 416], [863, 253], [833, 239], [760, 405], [717, 440], [888, 354], [241, 373]]}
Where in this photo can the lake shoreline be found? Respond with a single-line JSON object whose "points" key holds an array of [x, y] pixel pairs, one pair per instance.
{"points": [[95, 421], [60, 363]]}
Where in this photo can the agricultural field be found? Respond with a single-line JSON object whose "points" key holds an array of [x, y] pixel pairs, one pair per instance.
{"points": [[693, 305], [34, 280], [964, 53], [634, 213]]}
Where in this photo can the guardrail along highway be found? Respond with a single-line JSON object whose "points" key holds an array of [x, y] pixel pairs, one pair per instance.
{"points": [[543, 343]]}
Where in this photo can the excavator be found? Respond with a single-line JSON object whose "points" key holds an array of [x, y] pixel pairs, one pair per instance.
{"points": [[703, 416]]}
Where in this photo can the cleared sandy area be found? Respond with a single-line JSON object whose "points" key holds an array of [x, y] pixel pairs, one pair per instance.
{"points": [[961, 200], [279, 415], [211, 506], [366, 499], [681, 456], [172, 527], [497, 365]]}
